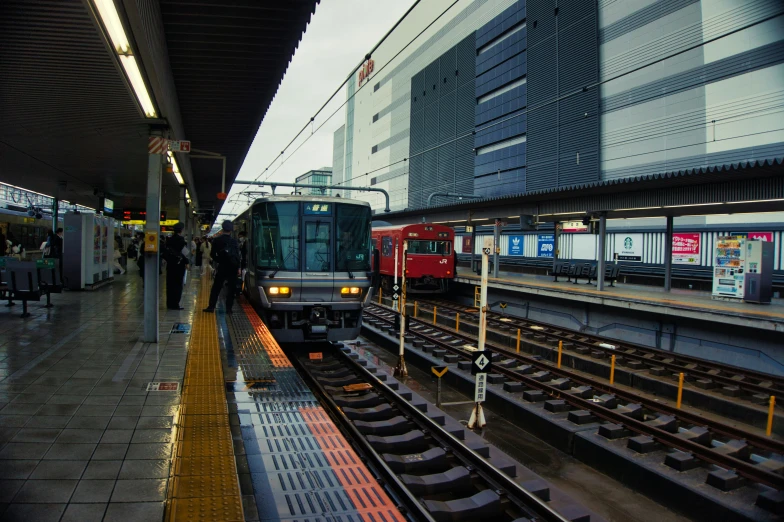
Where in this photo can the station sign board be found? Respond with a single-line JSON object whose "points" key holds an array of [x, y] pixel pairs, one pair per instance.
{"points": [[179, 146], [573, 227]]}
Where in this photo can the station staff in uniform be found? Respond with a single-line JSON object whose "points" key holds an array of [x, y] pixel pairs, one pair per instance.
{"points": [[176, 265]]}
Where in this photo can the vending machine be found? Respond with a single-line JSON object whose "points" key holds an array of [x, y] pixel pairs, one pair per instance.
{"points": [[758, 287], [88, 249], [729, 267]]}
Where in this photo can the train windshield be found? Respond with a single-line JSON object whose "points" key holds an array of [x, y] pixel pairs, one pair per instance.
{"points": [[276, 231], [353, 229], [423, 246]]}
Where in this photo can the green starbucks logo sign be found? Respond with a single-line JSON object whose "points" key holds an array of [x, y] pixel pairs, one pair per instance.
{"points": [[628, 243]]}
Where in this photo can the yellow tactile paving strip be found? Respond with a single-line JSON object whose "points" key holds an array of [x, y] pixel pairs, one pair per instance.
{"points": [[204, 484]]}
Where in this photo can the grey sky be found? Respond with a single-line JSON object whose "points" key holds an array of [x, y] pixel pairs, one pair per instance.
{"points": [[340, 33]]}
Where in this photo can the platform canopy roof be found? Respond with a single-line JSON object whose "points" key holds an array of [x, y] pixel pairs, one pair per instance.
{"points": [[72, 124]]}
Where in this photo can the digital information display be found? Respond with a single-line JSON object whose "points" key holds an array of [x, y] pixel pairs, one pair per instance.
{"points": [[139, 215], [318, 209]]}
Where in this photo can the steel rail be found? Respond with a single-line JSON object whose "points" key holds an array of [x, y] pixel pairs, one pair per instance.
{"points": [[564, 335], [489, 473], [741, 467], [403, 493]]}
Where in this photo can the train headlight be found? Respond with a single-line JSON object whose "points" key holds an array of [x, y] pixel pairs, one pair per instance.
{"points": [[279, 291], [352, 291]]}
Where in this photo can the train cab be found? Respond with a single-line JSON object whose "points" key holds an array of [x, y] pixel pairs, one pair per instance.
{"points": [[309, 265], [430, 259]]}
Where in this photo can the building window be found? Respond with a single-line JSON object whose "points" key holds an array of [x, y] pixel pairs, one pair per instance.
{"points": [[375, 149], [375, 117], [376, 86]]}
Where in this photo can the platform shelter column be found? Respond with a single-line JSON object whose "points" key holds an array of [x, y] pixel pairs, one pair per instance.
{"points": [[496, 245], [602, 255], [668, 255], [156, 151]]}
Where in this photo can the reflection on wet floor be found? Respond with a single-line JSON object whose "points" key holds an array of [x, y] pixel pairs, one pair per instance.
{"points": [[600, 493], [287, 449]]}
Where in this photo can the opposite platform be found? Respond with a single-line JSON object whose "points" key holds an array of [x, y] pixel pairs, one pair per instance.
{"points": [[691, 304]]}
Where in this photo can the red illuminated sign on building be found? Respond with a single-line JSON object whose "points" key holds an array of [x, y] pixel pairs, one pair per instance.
{"points": [[365, 70]]}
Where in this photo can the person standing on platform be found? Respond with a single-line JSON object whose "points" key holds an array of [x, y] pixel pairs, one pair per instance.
{"points": [[3, 245], [206, 252], [56, 248], [198, 259], [176, 265], [227, 256]]}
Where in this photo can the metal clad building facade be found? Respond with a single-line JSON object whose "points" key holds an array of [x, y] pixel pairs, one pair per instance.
{"points": [[566, 92]]}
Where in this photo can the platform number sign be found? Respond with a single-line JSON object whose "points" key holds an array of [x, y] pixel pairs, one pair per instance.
{"points": [[480, 362]]}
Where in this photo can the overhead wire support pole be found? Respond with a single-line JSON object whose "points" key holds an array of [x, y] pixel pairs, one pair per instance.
{"points": [[400, 369], [274, 184]]}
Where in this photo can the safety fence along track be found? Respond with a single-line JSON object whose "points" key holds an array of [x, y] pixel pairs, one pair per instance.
{"points": [[435, 475], [732, 381], [733, 455]]}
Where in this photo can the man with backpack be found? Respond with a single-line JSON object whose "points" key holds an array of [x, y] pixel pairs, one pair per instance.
{"points": [[226, 254]]}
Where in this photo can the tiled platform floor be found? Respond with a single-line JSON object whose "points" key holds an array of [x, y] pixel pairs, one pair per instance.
{"points": [[80, 437]]}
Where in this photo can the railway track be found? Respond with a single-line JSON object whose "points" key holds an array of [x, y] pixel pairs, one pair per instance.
{"points": [[645, 422], [732, 381], [435, 475]]}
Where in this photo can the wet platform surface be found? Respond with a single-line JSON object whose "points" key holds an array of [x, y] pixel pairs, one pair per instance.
{"points": [[679, 302], [293, 462], [81, 438]]}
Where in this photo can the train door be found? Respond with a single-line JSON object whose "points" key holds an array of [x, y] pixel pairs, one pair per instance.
{"points": [[317, 273]]}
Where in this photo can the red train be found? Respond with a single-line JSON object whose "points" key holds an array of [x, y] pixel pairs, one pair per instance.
{"points": [[431, 260]]}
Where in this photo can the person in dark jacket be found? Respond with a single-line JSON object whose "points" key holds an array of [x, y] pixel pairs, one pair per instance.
{"points": [[226, 254], [56, 248], [176, 265]]}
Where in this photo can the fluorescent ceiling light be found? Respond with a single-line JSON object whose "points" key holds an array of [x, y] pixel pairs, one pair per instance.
{"points": [[693, 205], [176, 169], [111, 21], [137, 82], [754, 201]]}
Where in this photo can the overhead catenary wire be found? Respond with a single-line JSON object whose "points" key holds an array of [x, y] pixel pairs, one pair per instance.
{"points": [[350, 78], [522, 112]]}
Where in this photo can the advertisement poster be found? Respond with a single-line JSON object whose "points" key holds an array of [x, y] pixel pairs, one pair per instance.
{"points": [[545, 245], [104, 243], [761, 236], [686, 249], [467, 246], [628, 247], [515, 245], [96, 241]]}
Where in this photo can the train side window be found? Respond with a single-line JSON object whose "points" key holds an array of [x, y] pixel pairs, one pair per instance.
{"points": [[386, 246]]}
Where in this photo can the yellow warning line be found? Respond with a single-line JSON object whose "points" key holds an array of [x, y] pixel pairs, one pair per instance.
{"points": [[203, 483]]}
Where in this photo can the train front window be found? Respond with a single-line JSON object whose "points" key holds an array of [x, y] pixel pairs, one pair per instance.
{"points": [[317, 246], [276, 236], [423, 246], [353, 229]]}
